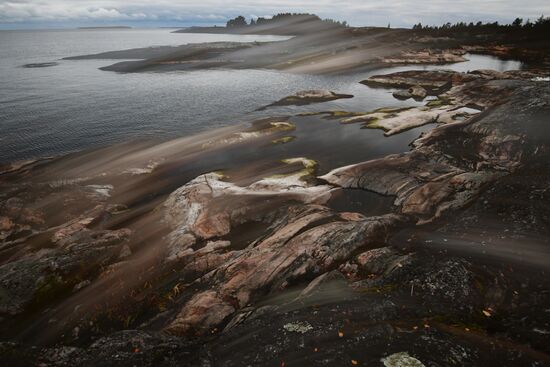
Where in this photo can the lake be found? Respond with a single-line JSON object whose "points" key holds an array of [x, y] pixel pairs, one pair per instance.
{"points": [[74, 106]]}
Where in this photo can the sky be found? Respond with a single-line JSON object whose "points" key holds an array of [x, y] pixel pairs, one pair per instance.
{"points": [[21, 14]]}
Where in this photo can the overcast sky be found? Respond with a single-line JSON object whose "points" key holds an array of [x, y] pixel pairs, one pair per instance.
{"points": [[147, 13]]}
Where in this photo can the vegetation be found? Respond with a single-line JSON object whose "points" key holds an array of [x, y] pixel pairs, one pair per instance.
{"points": [[240, 21], [540, 26], [237, 22]]}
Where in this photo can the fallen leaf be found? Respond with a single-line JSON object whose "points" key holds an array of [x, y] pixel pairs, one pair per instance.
{"points": [[354, 362], [486, 313]]}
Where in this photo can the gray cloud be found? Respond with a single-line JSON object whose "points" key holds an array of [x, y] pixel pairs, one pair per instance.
{"points": [[15, 13]]}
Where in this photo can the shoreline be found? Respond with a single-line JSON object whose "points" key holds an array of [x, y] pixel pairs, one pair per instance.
{"points": [[271, 231], [340, 50]]}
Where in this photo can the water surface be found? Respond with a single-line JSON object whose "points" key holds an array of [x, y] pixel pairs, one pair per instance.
{"points": [[73, 106]]}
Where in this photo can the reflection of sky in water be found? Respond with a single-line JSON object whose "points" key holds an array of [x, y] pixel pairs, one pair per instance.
{"points": [[75, 106]]}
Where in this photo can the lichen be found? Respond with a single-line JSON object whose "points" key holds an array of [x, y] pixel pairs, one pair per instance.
{"points": [[298, 327], [51, 287], [333, 114], [281, 126], [386, 288], [389, 110], [402, 359], [439, 102], [310, 166], [283, 140], [374, 124], [306, 162]]}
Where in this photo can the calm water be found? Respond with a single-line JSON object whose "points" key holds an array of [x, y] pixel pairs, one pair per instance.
{"points": [[75, 106]]}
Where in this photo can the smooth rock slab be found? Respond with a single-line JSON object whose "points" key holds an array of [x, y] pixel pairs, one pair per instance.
{"points": [[307, 97]]}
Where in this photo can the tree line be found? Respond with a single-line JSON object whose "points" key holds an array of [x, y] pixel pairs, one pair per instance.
{"points": [[240, 21], [542, 25]]}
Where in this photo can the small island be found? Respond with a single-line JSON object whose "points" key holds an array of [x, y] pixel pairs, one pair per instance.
{"points": [[107, 27]]}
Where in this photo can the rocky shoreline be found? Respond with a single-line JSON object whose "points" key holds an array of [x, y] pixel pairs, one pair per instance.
{"points": [[157, 254], [327, 51]]}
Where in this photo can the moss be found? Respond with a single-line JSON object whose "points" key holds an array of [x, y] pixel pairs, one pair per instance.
{"points": [[221, 175], [373, 124], [340, 114], [51, 288], [310, 167], [390, 110], [283, 140], [470, 325], [440, 101], [333, 114], [306, 162], [479, 286], [281, 126]]}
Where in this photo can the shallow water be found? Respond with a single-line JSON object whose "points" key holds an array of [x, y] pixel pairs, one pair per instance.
{"points": [[73, 106]]}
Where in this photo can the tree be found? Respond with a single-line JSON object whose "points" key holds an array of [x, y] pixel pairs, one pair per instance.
{"points": [[237, 22], [517, 22]]}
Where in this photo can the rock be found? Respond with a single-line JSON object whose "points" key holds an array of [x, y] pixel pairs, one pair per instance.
{"points": [[125, 348], [203, 209], [308, 97], [202, 314], [434, 82], [65, 234], [381, 261], [426, 57], [42, 276], [402, 359], [180, 246], [20, 281], [426, 188], [212, 246], [6, 224], [283, 140], [317, 93], [402, 94], [40, 65], [125, 252], [324, 283], [81, 285], [301, 243], [396, 120], [259, 128], [418, 92], [451, 280], [491, 74]]}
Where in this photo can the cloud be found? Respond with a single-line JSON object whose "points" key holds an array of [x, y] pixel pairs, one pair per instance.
{"points": [[357, 12]]}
